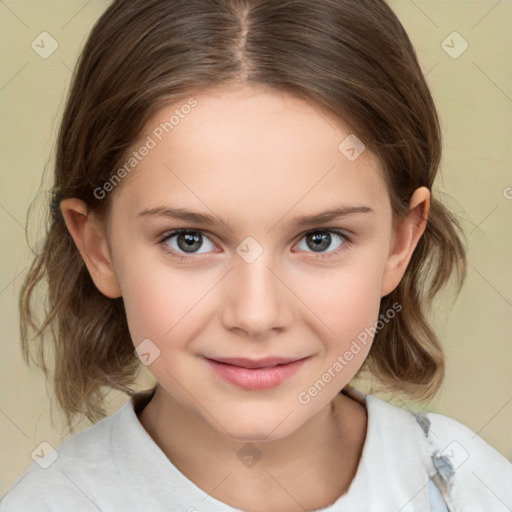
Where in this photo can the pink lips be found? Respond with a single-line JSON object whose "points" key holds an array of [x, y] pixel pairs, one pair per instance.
{"points": [[255, 374]]}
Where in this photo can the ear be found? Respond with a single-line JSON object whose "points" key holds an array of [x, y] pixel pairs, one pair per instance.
{"points": [[406, 237], [88, 233]]}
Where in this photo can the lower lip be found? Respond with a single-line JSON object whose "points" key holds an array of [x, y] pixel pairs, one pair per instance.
{"points": [[256, 378]]}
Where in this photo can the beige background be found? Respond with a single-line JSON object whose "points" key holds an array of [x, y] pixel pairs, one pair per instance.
{"points": [[474, 97]]}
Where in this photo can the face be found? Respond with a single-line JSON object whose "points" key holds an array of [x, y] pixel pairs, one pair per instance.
{"points": [[251, 317]]}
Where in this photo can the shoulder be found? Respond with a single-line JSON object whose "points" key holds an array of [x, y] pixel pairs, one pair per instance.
{"points": [[60, 477], [452, 459], [479, 476]]}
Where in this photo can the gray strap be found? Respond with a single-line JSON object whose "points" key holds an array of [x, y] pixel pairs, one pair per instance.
{"points": [[442, 473]]}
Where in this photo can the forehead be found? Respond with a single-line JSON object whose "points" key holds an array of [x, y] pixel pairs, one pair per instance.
{"points": [[241, 147]]}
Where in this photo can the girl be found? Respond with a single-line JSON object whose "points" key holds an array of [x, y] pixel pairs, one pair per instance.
{"points": [[243, 204]]}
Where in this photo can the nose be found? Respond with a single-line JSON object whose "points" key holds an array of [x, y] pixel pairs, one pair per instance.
{"points": [[257, 301]]}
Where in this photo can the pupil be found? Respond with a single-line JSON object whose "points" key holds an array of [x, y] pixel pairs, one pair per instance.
{"points": [[323, 238], [189, 241]]}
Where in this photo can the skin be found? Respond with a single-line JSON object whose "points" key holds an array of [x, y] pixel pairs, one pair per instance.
{"points": [[256, 159]]}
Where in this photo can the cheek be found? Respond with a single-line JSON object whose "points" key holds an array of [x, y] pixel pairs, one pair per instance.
{"points": [[347, 299], [349, 306], [167, 305], [158, 299]]}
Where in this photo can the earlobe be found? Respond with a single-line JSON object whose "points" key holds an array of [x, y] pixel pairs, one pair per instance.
{"points": [[89, 236], [407, 235]]}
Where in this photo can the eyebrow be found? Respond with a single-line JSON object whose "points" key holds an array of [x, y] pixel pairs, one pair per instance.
{"points": [[328, 215], [183, 214], [300, 221]]}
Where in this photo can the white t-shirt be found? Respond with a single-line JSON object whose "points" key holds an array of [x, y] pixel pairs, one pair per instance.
{"points": [[115, 465]]}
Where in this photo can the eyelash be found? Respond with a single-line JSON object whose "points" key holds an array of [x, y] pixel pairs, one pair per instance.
{"points": [[319, 256]]}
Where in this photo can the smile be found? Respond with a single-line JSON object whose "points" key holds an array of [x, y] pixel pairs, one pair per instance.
{"points": [[256, 374]]}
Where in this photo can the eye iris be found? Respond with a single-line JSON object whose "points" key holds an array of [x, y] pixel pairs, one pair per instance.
{"points": [[324, 240], [186, 241]]}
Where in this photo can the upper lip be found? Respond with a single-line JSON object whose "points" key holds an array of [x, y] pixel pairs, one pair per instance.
{"points": [[265, 362]]}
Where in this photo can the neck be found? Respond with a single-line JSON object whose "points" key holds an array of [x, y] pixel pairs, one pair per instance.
{"points": [[311, 467]]}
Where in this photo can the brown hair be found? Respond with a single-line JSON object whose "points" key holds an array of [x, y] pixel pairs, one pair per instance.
{"points": [[352, 58]]}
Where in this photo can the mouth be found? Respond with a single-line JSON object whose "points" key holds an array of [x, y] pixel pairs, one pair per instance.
{"points": [[267, 362], [256, 374]]}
